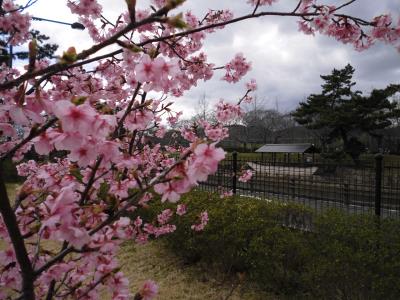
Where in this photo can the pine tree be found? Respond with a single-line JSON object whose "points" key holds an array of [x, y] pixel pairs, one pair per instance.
{"points": [[341, 114]]}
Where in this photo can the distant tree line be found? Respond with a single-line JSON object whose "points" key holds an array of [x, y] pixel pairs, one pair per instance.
{"points": [[339, 120]]}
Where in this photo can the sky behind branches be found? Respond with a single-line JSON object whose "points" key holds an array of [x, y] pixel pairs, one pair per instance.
{"points": [[285, 62]]}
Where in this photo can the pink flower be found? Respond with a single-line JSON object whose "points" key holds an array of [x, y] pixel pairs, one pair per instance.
{"points": [[203, 222], [168, 191], [43, 144], [164, 68], [226, 194], [217, 133], [119, 285], [84, 154], [236, 69], [7, 257], [160, 133], [252, 85], [62, 222], [75, 118], [145, 69], [206, 162], [85, 7], [188, 134], [181, 209], [246, 176], [148, 290], [7, 130], [383, 30], [21, 114], [208, 154], [164, 217], [227, 112]]}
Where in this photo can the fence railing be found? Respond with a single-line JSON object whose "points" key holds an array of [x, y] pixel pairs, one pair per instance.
{"points": [[369, 187]]}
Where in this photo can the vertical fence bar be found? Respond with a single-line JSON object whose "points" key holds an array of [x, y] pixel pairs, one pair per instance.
{"points": [[234, 171], [378, 183]]}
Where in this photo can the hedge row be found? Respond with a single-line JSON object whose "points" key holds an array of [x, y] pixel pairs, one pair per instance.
{"points": [[287, 250]]}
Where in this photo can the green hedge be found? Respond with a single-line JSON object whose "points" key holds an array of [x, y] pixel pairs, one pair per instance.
{"points": [[289, 251]]}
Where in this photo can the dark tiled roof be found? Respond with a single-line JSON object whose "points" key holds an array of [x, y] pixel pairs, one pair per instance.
{"points": [[287, 148]]}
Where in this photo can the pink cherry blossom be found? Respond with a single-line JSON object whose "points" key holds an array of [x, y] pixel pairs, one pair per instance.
{"points": [[245, 176], [97, 128], [168, 191], [7, 130], [227, 112], [74, 118], [203, 222], [226, 194], [252, 85], [149, 290], [181, 209], [236, 68], [85, 7]]}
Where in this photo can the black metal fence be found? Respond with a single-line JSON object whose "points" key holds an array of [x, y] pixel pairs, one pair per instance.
{"points": [[370, 187]]}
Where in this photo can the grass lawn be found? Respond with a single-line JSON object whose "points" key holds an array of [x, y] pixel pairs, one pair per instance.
{"points": [[179, 281], [12, 189]]}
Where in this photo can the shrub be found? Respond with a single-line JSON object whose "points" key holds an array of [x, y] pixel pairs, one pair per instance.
{"points": [[355, 257], [338, 257]]}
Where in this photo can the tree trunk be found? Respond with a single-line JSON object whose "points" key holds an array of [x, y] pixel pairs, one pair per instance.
{"points": [[21, 254]]}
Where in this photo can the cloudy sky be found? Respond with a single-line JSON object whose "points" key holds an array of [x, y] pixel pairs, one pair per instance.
{"points": [[285, 62]]}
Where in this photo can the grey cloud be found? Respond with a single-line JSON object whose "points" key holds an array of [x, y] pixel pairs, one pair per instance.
{"points": [[287, 64]]}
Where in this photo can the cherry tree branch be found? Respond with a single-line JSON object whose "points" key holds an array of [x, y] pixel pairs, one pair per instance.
{"points": [[297, 6], [32, 134], [242, 18], [130, 199], [343, 5], [92, 286], [127, 111], [256, 7], [90, 181], [61, 66], [154, 18]]}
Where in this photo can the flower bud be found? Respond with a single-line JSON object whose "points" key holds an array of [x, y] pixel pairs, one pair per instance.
{"points": [[171, 4], [177, 21], [69, 56], [32, 55]]}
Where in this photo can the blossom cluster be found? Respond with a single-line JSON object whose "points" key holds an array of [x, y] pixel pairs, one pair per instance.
{"points": [[236, 69], [85, 7], [346, 29], [245, 176], [227, 112], [94, 126], [15, 23], [203, 222]]}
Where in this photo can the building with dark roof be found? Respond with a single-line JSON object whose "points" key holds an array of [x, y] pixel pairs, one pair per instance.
{"points": [[288, 149]]}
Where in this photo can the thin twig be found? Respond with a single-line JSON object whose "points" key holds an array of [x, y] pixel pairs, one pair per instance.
{"points": [[128, 110], [345, 4], [31, 135], [297, 7], [90, 181], [257, 5]]}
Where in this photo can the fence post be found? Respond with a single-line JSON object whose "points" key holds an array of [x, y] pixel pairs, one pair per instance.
{"points": [[346, 195], [378, 183], [234, 171], [292, 187]]}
